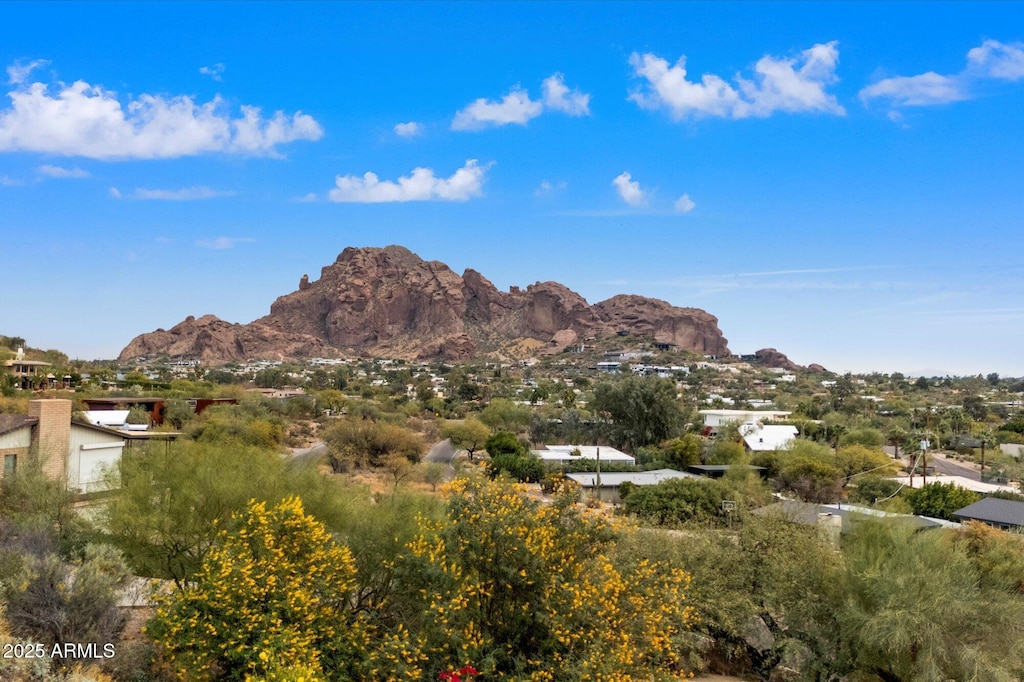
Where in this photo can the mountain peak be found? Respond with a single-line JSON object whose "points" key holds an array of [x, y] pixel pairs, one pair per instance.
{"points": [[387, 301]]}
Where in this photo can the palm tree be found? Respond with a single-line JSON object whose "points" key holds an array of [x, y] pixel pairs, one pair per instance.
{"points": [[896, 434]]}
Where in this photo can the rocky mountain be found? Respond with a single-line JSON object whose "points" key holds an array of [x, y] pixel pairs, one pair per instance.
{"points": [[390, 302], [769, 357]]}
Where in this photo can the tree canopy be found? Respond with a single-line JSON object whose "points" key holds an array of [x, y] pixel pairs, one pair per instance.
{"points": [[641, 410]]}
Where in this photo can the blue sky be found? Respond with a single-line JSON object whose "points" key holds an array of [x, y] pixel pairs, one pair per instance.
{"points": [[840, 181]]}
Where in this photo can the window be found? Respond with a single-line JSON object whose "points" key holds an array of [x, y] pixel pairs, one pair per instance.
{"points": [[10, 464]]}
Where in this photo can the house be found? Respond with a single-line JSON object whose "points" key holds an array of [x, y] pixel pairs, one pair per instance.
{"points": [[993, 511], [715, 418], [840, 518], [156, 408], [283, 393], [27, 373], [75, 452], [608, 490], [720, 470], [15, 440], [561, 454], [758, 437], [918, 481]]}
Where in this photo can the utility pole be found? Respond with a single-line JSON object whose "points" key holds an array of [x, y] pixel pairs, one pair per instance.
{"points": [[598, 480], [924, 462]]}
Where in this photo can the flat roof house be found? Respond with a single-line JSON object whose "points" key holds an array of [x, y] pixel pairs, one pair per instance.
{"points": [[758, 437], [715, 418], [568, 453]]}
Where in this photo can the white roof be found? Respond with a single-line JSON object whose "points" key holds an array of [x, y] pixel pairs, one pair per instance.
{"points": [[588, 479], [718, 417], [106, 417], [761, 438], [965, 483], [562, 453]]}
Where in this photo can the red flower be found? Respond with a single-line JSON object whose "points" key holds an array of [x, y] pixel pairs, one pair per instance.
{"points": [[449, 676]]}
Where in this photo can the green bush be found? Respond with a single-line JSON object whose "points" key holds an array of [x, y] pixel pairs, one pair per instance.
{"points": [[676, 501], [523, 468], [940, 500]]}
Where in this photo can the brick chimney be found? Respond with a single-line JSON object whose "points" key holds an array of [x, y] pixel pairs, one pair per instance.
{"points": [[51, 440]]}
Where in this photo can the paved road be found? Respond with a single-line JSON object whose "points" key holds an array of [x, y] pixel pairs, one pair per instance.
{"points": [[950, 468], [443, 453], [941, 464], [308, 456]]}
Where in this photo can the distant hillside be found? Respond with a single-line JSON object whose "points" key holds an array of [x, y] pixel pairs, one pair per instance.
{"points": [[390, 302]]}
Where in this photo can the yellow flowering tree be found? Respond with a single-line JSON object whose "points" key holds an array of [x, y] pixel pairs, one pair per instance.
{"points": [[524, 590], [275, 594]]}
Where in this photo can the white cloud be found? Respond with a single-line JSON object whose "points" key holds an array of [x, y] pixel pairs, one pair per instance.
{"points": [[306, 199], [221, 242], [684, 204], [559, 97], [547, 189], [213, 72], [780, 84], [629, 190], [515, 107], [8, 181], [17, 72], [59, 172], [410, 129], [85, 120], [420, 185], [114, 192], [998, 60], [991, 60], [184, 194], [916, 91]]}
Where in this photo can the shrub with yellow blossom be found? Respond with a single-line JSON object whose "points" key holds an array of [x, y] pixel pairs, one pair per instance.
{"points": [[524, 590], [273, 595]]}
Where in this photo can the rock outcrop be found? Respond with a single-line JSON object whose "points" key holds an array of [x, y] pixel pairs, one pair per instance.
{"points": [[769, 357], [390, 302], [215, 342]]}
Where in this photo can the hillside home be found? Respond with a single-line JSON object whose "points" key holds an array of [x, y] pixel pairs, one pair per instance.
{"points": [[27, 373]]}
